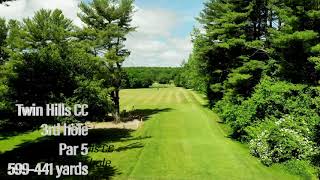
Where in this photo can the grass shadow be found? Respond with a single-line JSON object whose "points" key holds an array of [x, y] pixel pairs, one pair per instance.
{"points": [[207, 106], [136, 138], [142, 113], [134, 145], [46, 149], [7, 135]]}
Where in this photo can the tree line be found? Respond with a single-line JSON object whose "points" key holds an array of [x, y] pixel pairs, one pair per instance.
{"points": [[47, 59], [258, 62], [144, 77]]}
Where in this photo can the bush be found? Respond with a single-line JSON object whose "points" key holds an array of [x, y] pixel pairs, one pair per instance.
{"points": [[300, 168], [279, 120], [270, 99], [281, 140], [97, 97]]}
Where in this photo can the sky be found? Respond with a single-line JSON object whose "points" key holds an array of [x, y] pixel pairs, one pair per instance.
{"points": [[163, 30]]}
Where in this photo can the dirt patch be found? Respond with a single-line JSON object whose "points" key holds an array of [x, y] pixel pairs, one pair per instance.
{"points": [[134, 124]]}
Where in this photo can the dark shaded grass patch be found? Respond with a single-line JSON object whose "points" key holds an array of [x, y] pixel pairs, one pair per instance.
{"points": [[46, 149]]}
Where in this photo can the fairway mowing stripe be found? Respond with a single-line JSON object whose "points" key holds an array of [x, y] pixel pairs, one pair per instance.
{"points": [[140, 98], [136, 97], [183, 97], [199, 98], [169, 98], [184, 92], [178, 96], [127, 102], [193, 98], [185, 144], [138, 159], [212, 122], [220, 132], [145, 132], [126, 97], [173, 96], [152, 98], [160, 98], [149, 98], [206, 118], [166, 92], [182, 136]]}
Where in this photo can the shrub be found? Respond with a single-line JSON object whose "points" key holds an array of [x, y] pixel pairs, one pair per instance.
{"points": [[281, 140], [270, 99], [279, 120], [95, 95], [300, 168]]}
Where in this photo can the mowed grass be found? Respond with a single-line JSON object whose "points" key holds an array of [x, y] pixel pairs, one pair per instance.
{"points": [[183, 140], [10, 142], [180, 139]]}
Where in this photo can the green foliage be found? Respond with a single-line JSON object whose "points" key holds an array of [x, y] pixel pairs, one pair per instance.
{"points": [[48, 64], [258, 62], [279, 120], [107, 24], [95, 95], [178, 114], [3, 37], [144, 77], [39, 70], [270, 99], [4, 90], [301, 168], [243, 79], [46, 59], [279, 140], [230, 54], [315, 59]]}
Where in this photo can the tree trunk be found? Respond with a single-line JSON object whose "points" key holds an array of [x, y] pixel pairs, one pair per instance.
{"points": [[271, 19], [116, 100]]}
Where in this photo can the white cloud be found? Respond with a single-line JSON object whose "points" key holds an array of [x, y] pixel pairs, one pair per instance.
{"points": [[155, 21], [152, 45], [25, 8], [152, 52]]}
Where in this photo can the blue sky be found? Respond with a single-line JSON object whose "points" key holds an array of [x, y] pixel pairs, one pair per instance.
{"points": [[163, 34], [188, 9], [162, 37]]}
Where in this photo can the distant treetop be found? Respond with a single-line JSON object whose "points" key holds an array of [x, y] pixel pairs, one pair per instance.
{"points": [[2, 1]]}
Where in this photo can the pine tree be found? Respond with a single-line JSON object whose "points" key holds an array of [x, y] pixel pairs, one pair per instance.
{"points": [[107, 24], [39, 68], [3, 37], [295, 43], [232, 50], [40, 50]]}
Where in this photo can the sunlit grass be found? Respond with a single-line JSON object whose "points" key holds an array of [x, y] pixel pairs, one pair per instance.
{"points": [[180, 139]]}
